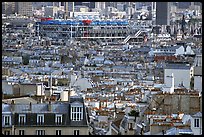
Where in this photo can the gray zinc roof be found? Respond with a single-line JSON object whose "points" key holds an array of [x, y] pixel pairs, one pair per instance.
{"points": [[177, 66], [41, 108], [199, 114], [6, 108], [124, 122], [197, 71]]}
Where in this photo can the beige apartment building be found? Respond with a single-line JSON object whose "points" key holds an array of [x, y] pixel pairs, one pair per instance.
{"points": [[52, 118]]}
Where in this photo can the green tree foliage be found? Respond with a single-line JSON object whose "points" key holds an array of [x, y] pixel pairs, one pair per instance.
{"points": [[133, 113]]}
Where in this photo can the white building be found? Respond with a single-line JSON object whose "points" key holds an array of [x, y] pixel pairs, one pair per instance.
{"points": [[196, 123], [100, 5], [82, 15], [83, 84], [184, 51], [7, 87], [197, 72], [198, 78], [181, 74], [6, 119]]}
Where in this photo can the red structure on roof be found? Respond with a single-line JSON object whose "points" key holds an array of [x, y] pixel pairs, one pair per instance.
{"points": [[87, 22], [45, 19]]}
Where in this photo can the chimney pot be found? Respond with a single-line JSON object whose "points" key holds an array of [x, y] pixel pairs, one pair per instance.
{"points": [[49, 106], [30, 106]]}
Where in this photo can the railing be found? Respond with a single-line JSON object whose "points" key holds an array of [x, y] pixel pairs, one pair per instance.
{"points": [[135, 36], [127, 38]]}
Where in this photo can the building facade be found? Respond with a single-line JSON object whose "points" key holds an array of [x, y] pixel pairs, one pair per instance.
{"points": [[25, 8], [53, 118], [162, 13], [196, 123], [105, 30], [197, 79], [8, 8], [181, 74], [100, 5]]}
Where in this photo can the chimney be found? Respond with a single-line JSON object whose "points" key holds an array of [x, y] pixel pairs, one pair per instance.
{"points": [[12, 105], [30, 106], [51, 92], [49, 106], [163, 132], [69, 92], [2, 95], [172, 86]]}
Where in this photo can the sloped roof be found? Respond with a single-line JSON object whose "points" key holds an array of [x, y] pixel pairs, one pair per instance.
{"points": [[199, 114], [49, 111], [197, 71], [177, 66], [6, 107], [124, 122], [175, 131], [21, 100]]}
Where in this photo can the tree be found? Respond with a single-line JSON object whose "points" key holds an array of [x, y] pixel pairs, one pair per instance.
{"points": [[133, 113]]}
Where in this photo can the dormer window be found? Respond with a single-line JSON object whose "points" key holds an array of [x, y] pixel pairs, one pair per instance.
{"points": [[40, 119], [196, 122], [76, 111], [58, 119], [22, 119], [130, 126], [7, 120]]}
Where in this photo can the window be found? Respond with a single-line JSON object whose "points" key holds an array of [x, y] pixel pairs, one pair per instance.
{"points": [[58, 119], [58, 132], [76, 113], [7, 120], [21, 132], [196, 122], [40, 119], [76, 132], [40, 132], [22, 119], [130, 126], [6, 132]]}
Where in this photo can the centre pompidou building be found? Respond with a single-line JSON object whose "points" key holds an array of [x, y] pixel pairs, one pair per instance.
{"points": [[108, 30]]}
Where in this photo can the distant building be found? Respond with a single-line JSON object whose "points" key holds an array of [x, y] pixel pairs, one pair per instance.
{"points": [[181, 74], [8, 8], [113, 4], [91, 5], [197, 79], [25, 8], [81, 9], [51, 11], [184, 5], [31, 89], [68, 8], [100, 5], [198, 72], [162, 13]]}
